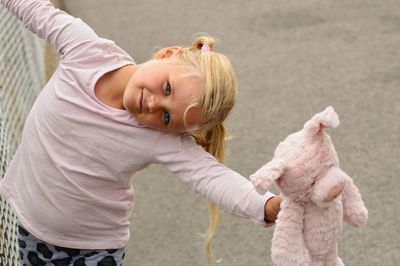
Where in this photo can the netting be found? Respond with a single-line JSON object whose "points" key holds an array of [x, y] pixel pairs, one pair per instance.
{"points": [[22, 75]]}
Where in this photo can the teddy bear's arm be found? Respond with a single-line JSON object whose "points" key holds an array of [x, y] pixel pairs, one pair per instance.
{"points": [[354, 210], [266, 175], [288, 245]]}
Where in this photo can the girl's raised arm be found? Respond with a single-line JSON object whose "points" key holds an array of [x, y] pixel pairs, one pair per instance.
{"points": [[204, 174], [68, 35]]}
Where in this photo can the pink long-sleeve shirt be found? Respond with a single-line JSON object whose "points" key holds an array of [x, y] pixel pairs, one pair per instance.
{"points": [[71, 179]]}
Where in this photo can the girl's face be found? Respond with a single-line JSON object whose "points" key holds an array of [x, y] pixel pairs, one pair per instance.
{"points": [[160, 91]]}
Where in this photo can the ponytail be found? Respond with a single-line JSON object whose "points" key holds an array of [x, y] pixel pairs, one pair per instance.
{"points": [[219, 92], [214, 143]]}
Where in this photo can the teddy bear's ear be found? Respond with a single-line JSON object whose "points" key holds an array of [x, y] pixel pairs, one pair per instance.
{"points": [[266, 175], [324, 119]]}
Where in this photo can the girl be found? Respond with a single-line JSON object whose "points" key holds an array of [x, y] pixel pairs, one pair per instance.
{"points": [[100, 119]]}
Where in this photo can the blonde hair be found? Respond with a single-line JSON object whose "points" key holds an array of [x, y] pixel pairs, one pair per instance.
{"points": [[218, 98]]}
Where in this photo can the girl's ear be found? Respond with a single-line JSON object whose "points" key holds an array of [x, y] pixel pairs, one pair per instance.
{"points": [[167, 52]]}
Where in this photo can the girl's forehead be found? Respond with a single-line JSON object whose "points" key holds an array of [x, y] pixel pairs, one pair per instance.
{"points": [[186, 90], [183, 71], [185, 78], [187, 82]]}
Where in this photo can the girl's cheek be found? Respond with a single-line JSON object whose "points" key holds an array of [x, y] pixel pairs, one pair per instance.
{"points": [[152, 121]]}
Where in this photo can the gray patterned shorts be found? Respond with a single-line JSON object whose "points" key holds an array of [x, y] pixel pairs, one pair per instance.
{"points": [[35, 252]]}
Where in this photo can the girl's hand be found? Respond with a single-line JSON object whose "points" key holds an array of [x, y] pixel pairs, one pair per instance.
{"points": [[272, 208]]}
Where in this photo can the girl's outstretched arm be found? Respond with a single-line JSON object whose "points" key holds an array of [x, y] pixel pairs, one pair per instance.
{"points": [[204, 174], [68, 35]]}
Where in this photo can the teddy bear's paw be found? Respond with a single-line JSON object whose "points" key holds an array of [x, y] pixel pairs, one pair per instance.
{"points": [[358, 219], [261, 184], [265, 176]]}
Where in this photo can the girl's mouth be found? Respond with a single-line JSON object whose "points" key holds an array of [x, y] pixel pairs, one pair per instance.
{"points": [[140, 101]]}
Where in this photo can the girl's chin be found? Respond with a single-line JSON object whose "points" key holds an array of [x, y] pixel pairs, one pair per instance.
{"points": [[130, 106]]}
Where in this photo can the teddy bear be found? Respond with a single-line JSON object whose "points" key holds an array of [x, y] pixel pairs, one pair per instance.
{"points": [[317, 195]]}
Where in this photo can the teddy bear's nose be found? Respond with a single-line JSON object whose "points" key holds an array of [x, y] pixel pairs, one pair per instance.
{"points": [[334, 192]]}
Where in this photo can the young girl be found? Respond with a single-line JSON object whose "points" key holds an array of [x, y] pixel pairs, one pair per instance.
{"points": [[100, 119]]}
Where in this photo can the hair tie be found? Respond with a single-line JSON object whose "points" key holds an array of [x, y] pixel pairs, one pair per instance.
{"points": [[205, 48]]}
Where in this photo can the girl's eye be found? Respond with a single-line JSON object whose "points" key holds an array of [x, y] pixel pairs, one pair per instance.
{"points": [[168, 89], [165, 118]]}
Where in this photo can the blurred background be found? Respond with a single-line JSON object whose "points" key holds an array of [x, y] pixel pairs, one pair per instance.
{"points": [[293, 58]]}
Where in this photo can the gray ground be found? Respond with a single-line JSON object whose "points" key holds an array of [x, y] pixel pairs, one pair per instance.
{"points": [[293, 58]]}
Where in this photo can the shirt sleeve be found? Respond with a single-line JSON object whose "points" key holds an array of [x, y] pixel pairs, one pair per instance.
{"points": [[202, 172], [68, 35]]}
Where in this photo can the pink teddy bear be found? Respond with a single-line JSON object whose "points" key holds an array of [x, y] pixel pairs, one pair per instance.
{"points": [[317, 196]]}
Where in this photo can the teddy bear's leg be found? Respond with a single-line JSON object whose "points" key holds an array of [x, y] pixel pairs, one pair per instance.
{"points": [[288, 245], [316, 261], [332, 259]]}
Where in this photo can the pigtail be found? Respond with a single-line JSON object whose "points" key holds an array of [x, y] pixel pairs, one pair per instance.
{"points": [[214, 215], [214, 143], [219, 92], [203, 41]]}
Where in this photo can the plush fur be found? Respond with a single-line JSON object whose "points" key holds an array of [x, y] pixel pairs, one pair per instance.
{"points": [[317, 196]]}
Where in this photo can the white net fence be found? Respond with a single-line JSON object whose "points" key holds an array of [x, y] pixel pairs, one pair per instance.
{"points": [[22, 75]]}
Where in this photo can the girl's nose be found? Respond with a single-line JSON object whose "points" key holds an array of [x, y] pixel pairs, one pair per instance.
{"points": [[152, 104]]}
